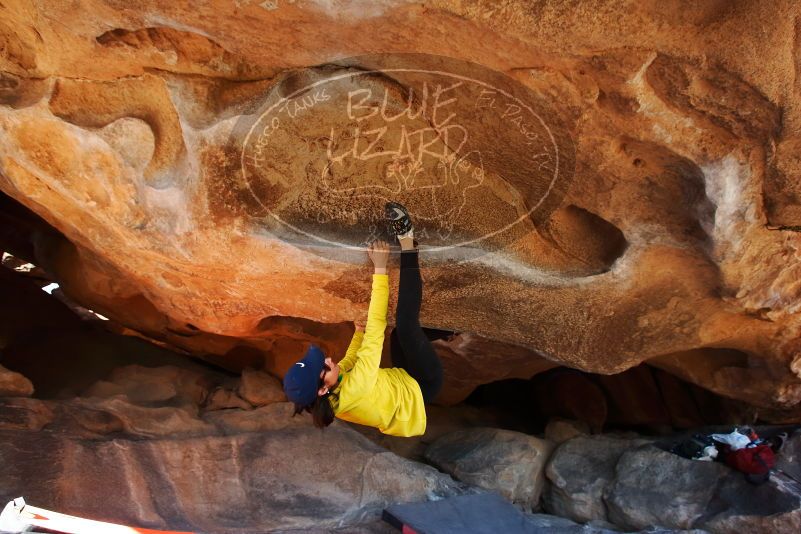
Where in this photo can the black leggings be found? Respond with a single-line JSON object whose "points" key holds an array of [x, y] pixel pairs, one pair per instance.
{"points": [[410, 348]]}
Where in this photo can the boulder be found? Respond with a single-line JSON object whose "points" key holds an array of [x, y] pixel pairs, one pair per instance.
{"points": [[223, 399], [259, 388], [508, 462], [85, 419], [739, 506], [440, 420], [146, 421], [153, 385], [263, 419], [559, 430], [580, 471], [25, 414], [225, 479], [66, 362], [636, 486], [655, 487], [14, 384]]}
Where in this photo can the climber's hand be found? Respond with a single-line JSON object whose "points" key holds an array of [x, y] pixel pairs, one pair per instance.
{"points": [[379, 255]]}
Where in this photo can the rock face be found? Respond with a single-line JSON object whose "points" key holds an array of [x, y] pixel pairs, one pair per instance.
{"points": [[579, 472], [560, 430], [507, 462], [642, 475], [260, 389], [152, 385], [224, 475], [650, 185], [14, 384], [636, 485]]}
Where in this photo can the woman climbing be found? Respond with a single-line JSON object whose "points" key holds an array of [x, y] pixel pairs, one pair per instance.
{"points": [[356, 389]]}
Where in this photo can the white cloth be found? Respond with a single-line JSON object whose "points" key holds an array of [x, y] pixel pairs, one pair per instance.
{"points": [[735, 440], [710, 453]]}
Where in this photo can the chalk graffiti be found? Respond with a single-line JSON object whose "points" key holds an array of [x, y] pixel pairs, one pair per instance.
{"points": [[445, 144]]}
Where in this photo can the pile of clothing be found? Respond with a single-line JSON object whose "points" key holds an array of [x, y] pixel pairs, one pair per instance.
{"points": [[741, 449]]}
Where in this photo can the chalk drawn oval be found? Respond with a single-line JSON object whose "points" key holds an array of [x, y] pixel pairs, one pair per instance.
{"points": [[478, 158]]}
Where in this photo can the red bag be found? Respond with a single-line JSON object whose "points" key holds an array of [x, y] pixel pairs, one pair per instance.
{"points": [[756, 460]]}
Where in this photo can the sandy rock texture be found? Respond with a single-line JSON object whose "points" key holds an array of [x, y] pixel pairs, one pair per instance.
{"points": [[213, 475], [644, 210]]}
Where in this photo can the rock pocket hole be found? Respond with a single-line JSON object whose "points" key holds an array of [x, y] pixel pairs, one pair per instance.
{"points": [[587, 243]]}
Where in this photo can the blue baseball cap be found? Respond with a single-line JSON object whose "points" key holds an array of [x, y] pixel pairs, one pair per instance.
{"points": [[302, 380]]}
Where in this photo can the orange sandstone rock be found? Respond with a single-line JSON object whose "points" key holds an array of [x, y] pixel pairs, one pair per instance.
{"points": [[662, 241]]}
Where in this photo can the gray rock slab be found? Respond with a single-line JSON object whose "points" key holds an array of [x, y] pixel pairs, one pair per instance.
{"points": [[774, 506], [508, 462], [579, 472], [655, 487]]}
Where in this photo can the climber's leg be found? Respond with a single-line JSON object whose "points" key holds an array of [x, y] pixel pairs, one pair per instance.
{"points": [[419, 358]]}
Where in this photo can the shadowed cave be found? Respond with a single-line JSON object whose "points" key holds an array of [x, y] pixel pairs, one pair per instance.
{"points": [[644, 399]]}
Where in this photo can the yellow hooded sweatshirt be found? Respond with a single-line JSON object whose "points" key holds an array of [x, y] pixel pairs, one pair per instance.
{"points": [[388, 399]]}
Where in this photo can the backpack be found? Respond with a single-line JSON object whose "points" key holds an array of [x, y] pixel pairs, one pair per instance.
{"points": [[756, 460]]}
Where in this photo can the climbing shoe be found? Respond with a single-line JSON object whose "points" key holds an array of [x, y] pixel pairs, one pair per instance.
{"points": [[399, 222]]}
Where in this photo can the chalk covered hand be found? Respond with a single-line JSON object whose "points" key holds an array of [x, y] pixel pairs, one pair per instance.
{"points": [[379, 255]]}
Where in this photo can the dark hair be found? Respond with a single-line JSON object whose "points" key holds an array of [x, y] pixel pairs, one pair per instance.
{"points": [[321, 410]]}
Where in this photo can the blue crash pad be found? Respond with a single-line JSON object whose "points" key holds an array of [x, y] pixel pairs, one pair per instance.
{"points": [[483, 513]]}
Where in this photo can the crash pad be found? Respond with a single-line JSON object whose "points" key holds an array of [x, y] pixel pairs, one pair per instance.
{"points": [[477, 513]]}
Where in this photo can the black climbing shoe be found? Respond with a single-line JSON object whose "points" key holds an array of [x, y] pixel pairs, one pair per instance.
{"points": [[398, 220]]}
